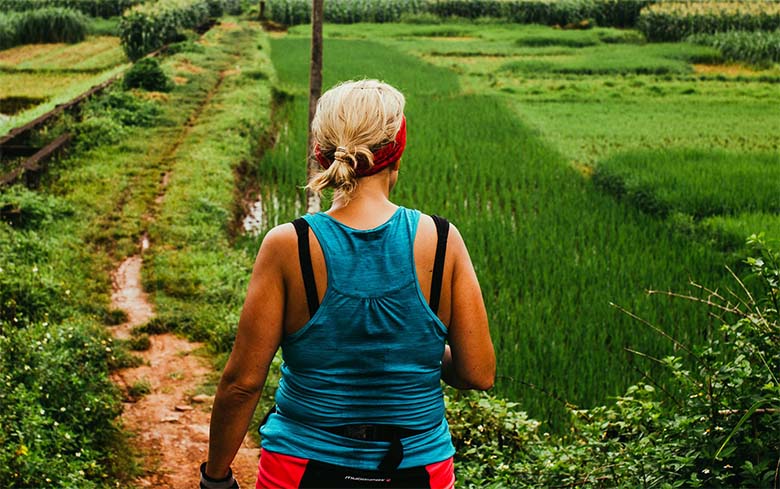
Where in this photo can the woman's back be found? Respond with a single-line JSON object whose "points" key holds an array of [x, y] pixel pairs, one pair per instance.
{"points": [[372, 352]]}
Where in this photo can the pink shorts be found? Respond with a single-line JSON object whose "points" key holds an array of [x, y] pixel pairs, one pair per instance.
{"points": [[277, 471]]}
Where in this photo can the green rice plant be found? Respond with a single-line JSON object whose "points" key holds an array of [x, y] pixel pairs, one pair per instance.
{"points": [[696, 182], [574, 39], [673, 21], [577, 38], [656, 59], [617, 13], [551, 251], [93, 8], [755, 47], [729, 231]]}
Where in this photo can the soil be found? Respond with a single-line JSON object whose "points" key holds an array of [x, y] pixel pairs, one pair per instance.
{"points": [[170, 425]]}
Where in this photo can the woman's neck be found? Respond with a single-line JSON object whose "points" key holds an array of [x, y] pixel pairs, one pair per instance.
{"points": [[369, 206]]}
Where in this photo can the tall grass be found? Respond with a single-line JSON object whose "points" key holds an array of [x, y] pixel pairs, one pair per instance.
{"points": [[42, 26], [93, 8], [673, 21], [551, 251], [619, 13], [755, 47]]}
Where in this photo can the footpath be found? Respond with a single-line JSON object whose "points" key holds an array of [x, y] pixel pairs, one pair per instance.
{"points": [[166, 405]]}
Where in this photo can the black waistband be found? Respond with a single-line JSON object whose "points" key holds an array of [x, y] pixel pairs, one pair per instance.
{"points": [[372, 432]]}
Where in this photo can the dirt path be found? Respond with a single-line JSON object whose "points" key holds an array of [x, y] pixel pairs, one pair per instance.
{"points": [[170, 425]]}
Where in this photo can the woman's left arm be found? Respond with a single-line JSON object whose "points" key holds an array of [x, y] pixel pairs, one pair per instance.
{"points": [[260, 330]]}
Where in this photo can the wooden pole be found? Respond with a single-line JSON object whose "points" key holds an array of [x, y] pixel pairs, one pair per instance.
{"points": [[315, 90]]}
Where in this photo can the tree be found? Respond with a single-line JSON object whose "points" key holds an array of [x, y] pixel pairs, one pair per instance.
{"points": [[315, 90]]}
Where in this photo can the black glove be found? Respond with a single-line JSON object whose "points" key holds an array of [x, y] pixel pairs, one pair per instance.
{"points": [[227, 482]]}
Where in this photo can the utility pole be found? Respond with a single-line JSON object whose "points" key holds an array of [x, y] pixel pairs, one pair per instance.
{"points": [[315, 90]]}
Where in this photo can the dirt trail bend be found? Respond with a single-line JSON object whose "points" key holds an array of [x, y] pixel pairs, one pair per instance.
{"points": [[170, 427]]}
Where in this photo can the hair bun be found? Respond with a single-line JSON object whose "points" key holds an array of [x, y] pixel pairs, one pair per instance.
{"points": [[342, 155]]}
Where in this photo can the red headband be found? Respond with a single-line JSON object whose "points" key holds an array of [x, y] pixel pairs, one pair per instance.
{"points": [[383, 157]]}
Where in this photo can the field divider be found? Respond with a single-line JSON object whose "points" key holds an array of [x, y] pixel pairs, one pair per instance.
{"points": [[34, 165]]}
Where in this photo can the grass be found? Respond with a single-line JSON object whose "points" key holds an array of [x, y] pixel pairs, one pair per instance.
{"points": [[198, 277], [61, 243]]}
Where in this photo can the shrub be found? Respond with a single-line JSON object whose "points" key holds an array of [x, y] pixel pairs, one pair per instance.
{"points": [[147, 27], [292, 12], [147, 75], [124, 107], [97, 131]]}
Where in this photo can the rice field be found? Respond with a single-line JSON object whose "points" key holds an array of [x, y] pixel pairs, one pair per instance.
{"points": [[698, 183], [94, 54], [552, 251], [45, 75]]}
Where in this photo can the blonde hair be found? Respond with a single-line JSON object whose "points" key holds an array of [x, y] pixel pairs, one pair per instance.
{"points": [[353, 119]]}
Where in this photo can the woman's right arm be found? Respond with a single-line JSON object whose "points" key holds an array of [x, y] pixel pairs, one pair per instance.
{"points": [[260, 330], [469, 361]]}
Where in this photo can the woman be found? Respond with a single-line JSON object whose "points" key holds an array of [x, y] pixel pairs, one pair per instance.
{"points": [[373, 305]]}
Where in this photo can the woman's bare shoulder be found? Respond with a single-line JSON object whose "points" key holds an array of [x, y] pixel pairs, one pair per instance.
{"points": [[455, 243], [279, 244]]}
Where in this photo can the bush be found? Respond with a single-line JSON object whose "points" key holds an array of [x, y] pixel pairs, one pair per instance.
{"points": [[147, 27], [124, 107], [147, 75]]}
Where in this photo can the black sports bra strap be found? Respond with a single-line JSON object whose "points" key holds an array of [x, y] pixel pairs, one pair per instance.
{"points": [[442, 231], [304, 255]]}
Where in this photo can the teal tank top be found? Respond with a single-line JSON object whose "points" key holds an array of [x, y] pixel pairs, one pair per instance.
{"points": [[371, 354]]}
